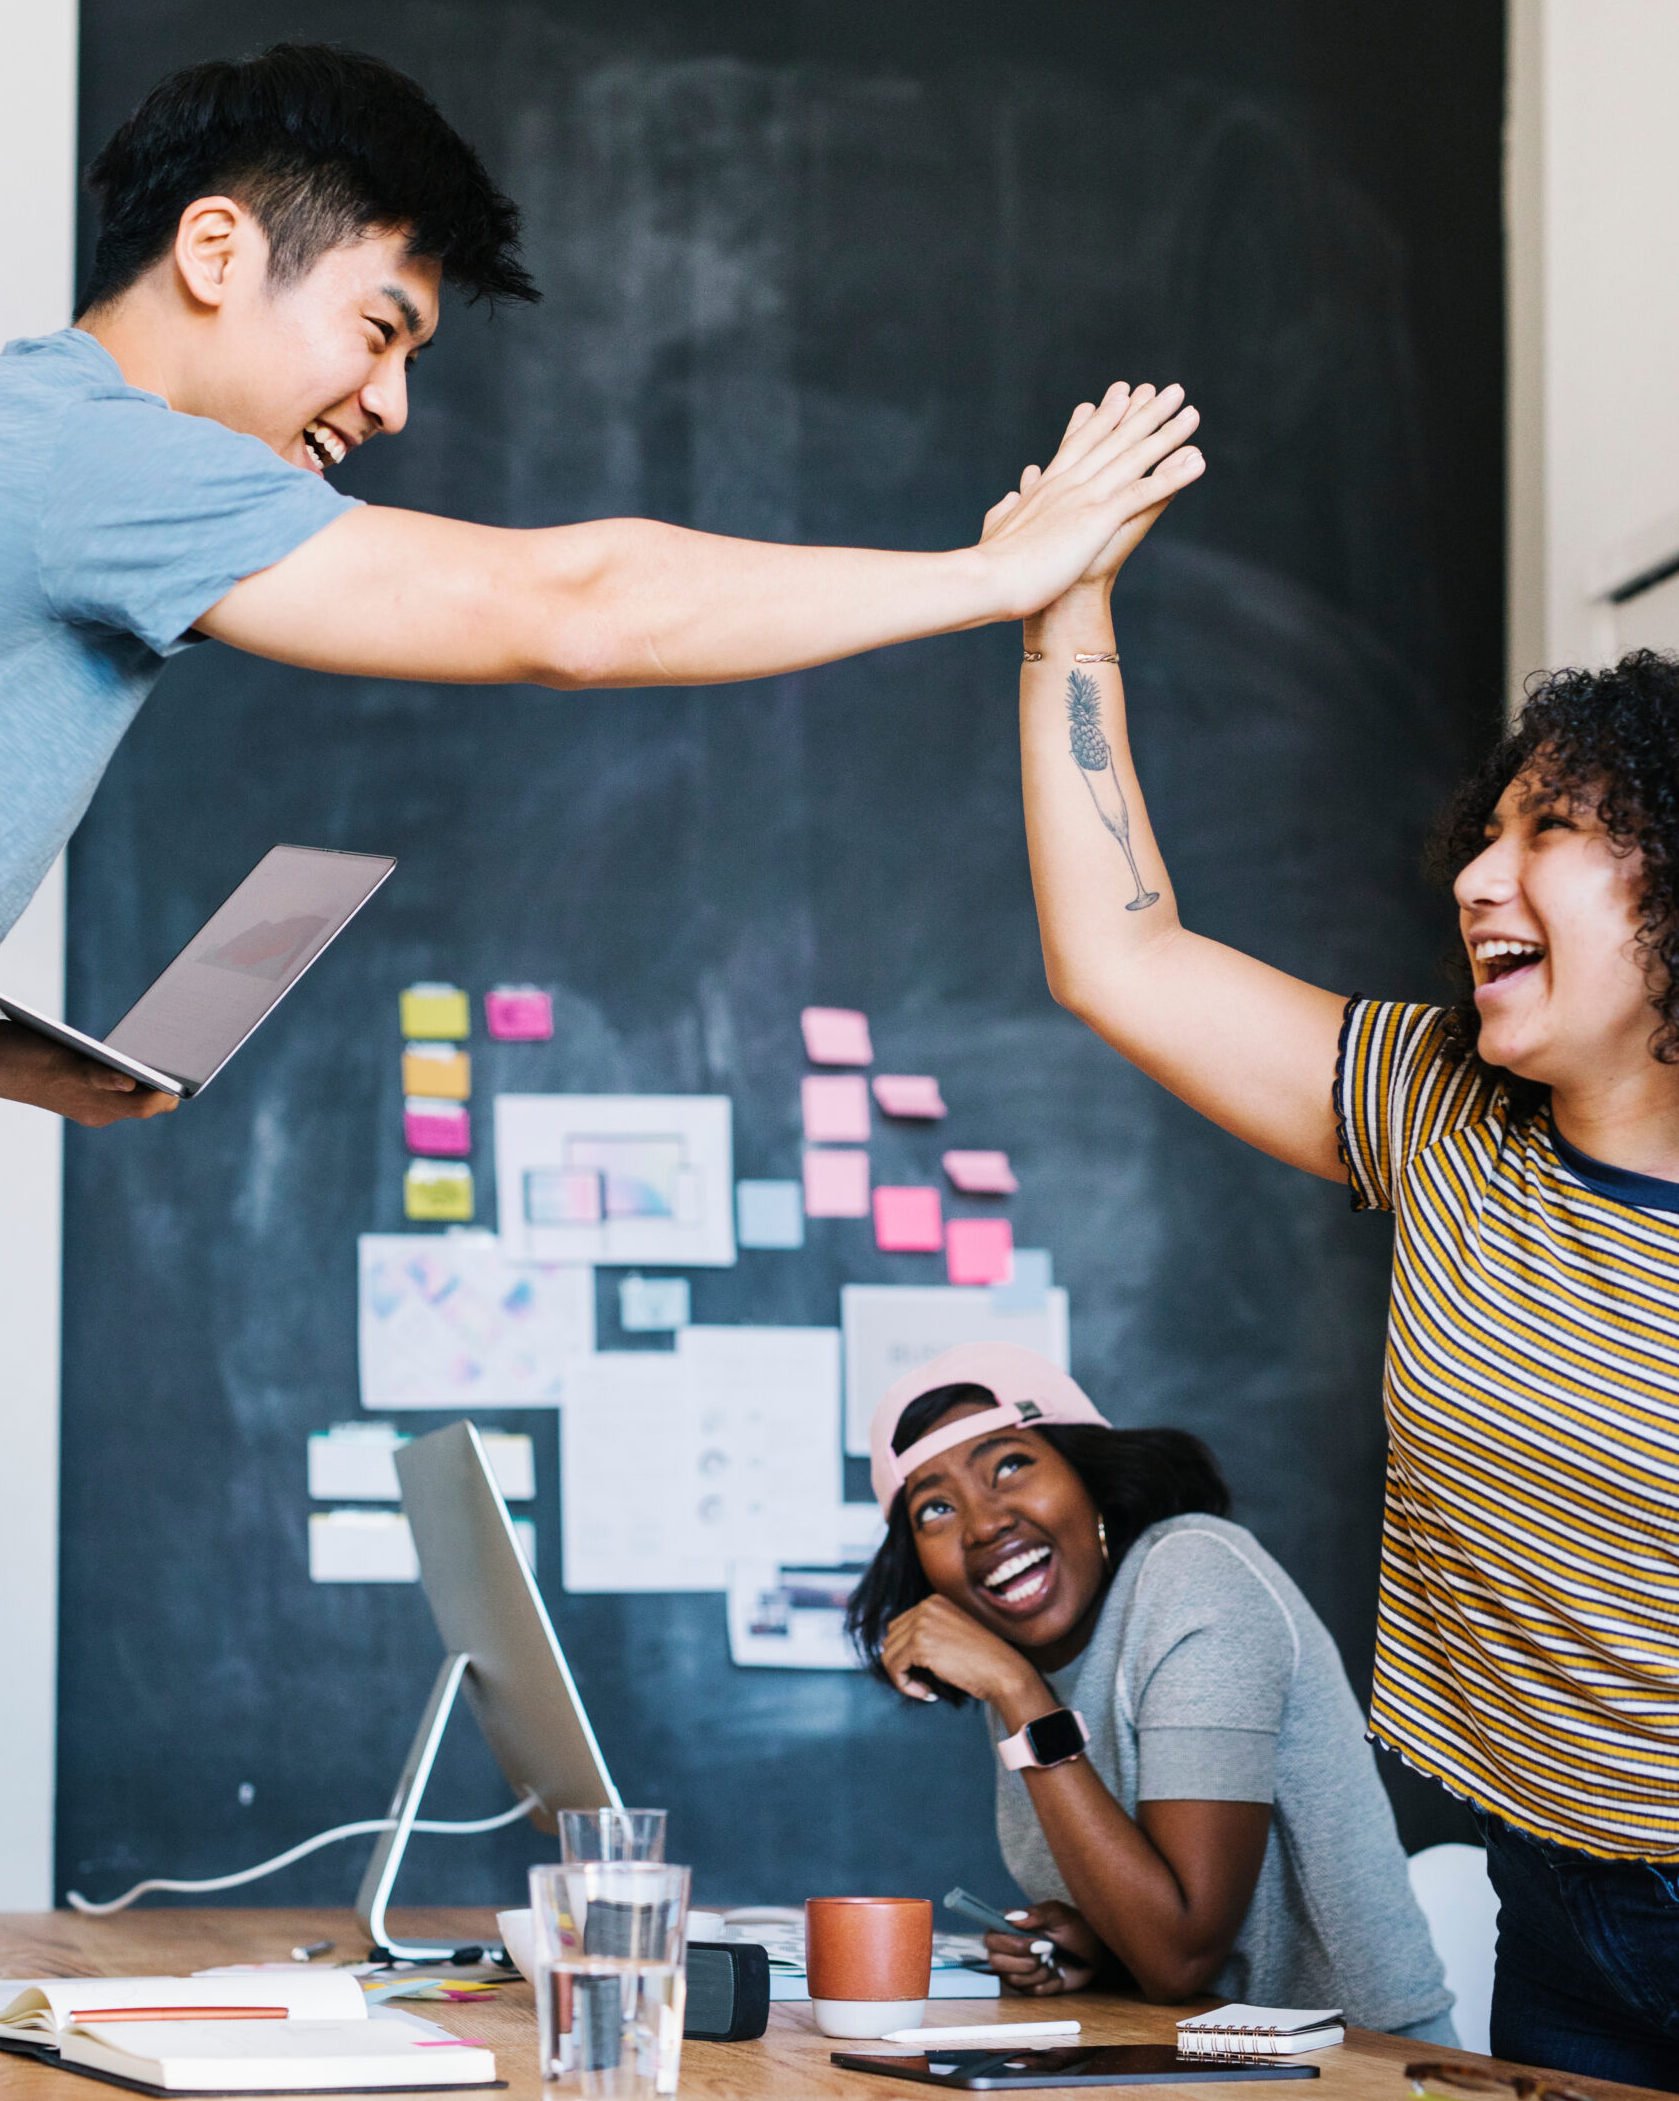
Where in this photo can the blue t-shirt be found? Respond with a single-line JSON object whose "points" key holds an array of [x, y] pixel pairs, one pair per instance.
{"points": [[121, 523]]}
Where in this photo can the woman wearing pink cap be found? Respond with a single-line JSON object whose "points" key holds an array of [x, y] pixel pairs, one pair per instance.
{"points": [[1184, 1790]]}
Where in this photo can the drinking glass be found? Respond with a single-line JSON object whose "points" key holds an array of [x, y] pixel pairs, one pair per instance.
{"points": [[612, 1834], [610, 1941]]}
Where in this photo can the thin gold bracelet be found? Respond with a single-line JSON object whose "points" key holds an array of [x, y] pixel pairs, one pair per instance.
{"points": [[1080, 656]]}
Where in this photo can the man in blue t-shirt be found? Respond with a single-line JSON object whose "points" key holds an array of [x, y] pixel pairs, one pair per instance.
{"points": [[274, 239]]}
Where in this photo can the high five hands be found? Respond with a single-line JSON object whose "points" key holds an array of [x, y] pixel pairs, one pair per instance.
{"points": [[1123, 458]]}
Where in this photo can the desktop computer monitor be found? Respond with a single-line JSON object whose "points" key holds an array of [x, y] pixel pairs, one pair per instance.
{"points": [[500, 1648]]}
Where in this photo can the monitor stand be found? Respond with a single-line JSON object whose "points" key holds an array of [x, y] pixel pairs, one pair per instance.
{"points": [[382, 1869]]}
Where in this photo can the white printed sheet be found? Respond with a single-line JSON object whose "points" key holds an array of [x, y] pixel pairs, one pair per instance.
{"points": [[675, 1463]]}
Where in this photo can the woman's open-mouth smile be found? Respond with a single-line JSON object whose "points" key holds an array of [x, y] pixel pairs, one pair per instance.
{"points": [[1503, 965], [1022, 1583]]}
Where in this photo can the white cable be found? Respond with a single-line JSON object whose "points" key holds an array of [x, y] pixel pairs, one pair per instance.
{"points": [[78, 1902]]}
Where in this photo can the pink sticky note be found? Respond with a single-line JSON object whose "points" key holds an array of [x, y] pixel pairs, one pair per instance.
{"points": [[519, 1014], [908, 1221], [904, 1094], [836, 1106], [836, 1036], [979, 1250], [441, 1129], [981, 1174], [836, 1184]]}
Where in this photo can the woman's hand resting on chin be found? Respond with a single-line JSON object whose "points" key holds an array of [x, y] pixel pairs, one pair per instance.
{"points": [[941, 1640]]}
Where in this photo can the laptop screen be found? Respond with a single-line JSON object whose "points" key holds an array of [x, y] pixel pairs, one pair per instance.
{"points": [[246, 959]]}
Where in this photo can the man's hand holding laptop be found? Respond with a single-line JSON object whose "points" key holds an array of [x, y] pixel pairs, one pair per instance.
{"points": [[51, 1076]]}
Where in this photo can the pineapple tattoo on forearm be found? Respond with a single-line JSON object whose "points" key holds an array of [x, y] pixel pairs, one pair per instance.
{"points": [[1094, 757]]}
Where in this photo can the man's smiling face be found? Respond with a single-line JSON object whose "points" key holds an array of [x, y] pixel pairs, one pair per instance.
{"points": [[317, 365]]}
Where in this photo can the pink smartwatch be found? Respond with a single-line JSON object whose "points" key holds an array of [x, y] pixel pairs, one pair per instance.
{"points": [[1051, 1740]]}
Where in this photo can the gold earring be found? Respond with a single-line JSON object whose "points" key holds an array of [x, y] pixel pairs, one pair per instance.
{"points": [[1102, 1541]]}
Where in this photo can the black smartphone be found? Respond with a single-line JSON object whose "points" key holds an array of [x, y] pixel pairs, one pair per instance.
{"points": [[1088, 2064]]}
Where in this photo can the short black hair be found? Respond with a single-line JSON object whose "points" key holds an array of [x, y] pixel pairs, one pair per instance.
{"points": [[320, 145], [1609, 741], [1134, 1477]]}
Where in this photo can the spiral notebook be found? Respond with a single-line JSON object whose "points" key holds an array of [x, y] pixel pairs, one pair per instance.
{"points": [[1260, 2031]]}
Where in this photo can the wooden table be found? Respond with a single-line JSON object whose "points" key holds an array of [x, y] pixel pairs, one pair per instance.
{"points": [[789, 2064]]}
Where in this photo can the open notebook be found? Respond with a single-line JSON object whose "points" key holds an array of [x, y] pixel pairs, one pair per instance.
{"points": [[259, 2032]]}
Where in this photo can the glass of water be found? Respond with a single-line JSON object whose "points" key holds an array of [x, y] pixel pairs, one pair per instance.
{"points": [[612, 1834], [610, 1940]]}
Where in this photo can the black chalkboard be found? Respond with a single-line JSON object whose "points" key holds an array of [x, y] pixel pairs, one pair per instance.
{"points": [[828, 274]]}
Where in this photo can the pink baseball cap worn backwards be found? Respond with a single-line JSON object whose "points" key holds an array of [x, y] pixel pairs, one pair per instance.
{"points": [[1029, 1389]]}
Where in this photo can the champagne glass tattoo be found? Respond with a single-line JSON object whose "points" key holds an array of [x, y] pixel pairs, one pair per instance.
{"points": [[1094, 757]]}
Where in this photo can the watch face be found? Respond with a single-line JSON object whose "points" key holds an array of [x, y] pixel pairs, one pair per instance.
{"points": [[1055, 1736]]}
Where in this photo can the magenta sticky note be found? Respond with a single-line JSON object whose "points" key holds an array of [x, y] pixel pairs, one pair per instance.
{"points": [[442, 1130], [836, 1184], [836, 1036], [981, 1174], [908, 1094], [979, 1250], [519, 1014], [908, 1221], [836, 1108]]}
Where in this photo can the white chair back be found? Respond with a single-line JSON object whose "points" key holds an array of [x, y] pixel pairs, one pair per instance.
{"points": [[1451, 1885]]}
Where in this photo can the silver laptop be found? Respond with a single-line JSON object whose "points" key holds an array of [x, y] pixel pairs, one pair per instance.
{"points": [[234, 971]]}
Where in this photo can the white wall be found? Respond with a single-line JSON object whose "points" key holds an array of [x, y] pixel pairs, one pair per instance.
{"points": [[1594, 326], [37, 199]]}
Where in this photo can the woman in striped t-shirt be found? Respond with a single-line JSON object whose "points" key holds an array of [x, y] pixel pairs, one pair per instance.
{"points": [[1527, 1143]]}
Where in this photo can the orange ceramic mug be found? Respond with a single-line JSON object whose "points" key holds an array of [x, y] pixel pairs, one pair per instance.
{"points": [[869, 1961]]}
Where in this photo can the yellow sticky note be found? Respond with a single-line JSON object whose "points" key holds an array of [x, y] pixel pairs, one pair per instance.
{"points": [[436, 1010], [437, 1070], [437, 1190]]}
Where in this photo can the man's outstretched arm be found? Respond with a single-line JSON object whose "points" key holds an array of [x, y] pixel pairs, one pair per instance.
{"points": [[630, 602]]}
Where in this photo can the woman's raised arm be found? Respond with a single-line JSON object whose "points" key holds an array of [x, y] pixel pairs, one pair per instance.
{"points": [[1249, 1046]]}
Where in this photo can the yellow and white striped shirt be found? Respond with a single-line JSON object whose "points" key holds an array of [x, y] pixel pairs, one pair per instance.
{"points": [[1527, 1649]]}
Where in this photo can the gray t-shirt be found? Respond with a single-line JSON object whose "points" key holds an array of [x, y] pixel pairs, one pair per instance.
{"points": [[1209, 1678], [121, 522]]}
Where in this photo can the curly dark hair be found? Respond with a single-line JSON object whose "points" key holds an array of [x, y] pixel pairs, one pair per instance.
{"points": [[1607, 741], [1134, 1477]]}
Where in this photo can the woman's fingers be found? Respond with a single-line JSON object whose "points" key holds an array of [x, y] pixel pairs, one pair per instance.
{"points": [[1015, 1946], [1129, 436], [1019, 1969], [1144, 472], [1150, 446], [898, 1660], [1012, 1958]]}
